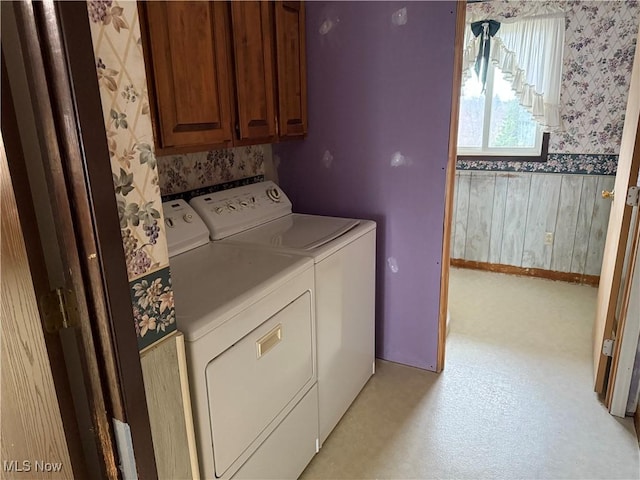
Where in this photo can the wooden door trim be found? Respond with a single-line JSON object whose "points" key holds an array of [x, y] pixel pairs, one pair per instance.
{"points": [[35, 64], [461, 12], [76, 191], [90, 248], [119, 331]]}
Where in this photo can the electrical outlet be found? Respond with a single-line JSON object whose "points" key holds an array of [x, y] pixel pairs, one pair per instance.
{"points": [[548, 238]]}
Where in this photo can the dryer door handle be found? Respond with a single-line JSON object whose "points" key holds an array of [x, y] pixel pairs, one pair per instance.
{"points": [[269, 340]]}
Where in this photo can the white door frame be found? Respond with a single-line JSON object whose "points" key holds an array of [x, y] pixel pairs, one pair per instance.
{"points": [[630, 312]]}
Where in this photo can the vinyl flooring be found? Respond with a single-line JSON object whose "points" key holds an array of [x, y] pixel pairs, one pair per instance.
{"points": [[515, 400]]}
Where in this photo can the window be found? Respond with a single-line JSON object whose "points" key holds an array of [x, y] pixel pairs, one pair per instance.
{"points": [[494, 124], [521, 98]]}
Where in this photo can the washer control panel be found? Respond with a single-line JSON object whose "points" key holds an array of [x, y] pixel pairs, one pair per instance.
{"points": [[185, 229], [273, 194], [232, 211]]}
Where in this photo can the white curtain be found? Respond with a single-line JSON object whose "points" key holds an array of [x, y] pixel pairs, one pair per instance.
{"points": [[528, 50]]}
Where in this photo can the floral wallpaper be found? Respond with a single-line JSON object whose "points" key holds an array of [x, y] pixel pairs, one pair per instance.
{"points": [[115, 32], [180, 173], [152, 299], [600, 39], [598, 58]]}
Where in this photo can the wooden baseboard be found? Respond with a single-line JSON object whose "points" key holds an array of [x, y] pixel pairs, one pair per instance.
{"points": [[592, 280], [636, 422]]}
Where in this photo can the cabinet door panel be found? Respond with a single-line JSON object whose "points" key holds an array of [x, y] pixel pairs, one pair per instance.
{"points": [[291, 68], [188, 51], [253, 49]]}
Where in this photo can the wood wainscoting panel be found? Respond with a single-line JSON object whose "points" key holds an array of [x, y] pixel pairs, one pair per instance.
{"points": [[564, 238], [497, 217], [481, 191], [599, 224], [503, 218], [461, 210], [452, 238], [515, 219], [583, 226], [542, 212]]}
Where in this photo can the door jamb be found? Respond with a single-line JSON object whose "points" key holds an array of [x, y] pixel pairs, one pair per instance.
{"points": [[115, 290], [461, 12], [62, 78], [626, 324]]}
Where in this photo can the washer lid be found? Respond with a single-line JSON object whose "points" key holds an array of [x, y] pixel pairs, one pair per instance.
{"points": [[297, 231], [214, 282]]}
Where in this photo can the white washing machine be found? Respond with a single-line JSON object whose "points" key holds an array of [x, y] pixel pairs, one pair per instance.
{"points": [[249, 325], [343, 251]]}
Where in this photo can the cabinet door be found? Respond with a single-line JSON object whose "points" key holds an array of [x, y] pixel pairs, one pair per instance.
{"points": [[189, 64], [254, 67], [292, 70]]}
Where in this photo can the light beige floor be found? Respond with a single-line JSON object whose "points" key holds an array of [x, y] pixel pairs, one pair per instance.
{"points": [[515, 399]]}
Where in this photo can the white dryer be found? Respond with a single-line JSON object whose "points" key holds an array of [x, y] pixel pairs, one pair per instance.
{"points": [[343, 251], [249, 325]]}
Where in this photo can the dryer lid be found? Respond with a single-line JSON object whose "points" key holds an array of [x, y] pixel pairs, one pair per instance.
{"points": [[298, 232], [217, 280]]}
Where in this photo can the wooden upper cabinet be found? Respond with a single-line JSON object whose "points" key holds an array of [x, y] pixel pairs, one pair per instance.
{"points": [[224, 73], [188, 62], [252, 32], [291, 68]]}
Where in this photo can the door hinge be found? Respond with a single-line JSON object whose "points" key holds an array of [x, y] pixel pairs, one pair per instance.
{"points": [[59, 309], [607, 347], [632, 196]]}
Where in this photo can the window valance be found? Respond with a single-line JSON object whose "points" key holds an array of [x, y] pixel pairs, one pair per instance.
{"points": [[528, 50]]}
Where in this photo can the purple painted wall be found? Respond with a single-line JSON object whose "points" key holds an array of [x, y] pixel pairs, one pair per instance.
{"points": [[376, 89]]}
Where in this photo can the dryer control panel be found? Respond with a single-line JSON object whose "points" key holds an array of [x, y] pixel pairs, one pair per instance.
{"points": [[185, 229], [238, 209]]}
